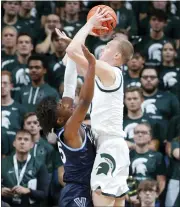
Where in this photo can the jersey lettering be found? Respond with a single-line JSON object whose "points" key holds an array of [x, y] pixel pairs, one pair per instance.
{"points": [[63, 156], [80, 201]]}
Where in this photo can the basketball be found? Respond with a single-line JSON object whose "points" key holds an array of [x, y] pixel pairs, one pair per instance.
{"points": [[110, 24]]}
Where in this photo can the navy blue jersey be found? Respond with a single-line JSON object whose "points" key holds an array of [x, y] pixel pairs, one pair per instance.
{"points": [[78, 162]]}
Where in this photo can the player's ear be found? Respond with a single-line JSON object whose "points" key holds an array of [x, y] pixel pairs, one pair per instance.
{"points": [[118, 56], [60, 121]]}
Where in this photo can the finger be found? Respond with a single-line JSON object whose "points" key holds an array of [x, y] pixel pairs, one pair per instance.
{"points": [[93, 34], [103, 11], [57, 30], [106, 19], [101, 27], [98, 10]]}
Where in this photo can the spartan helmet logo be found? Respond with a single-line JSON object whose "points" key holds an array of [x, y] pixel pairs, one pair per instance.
{"points": [[154, 51], [108, 165], [139, 167], [169, 79], [149, 106], [5, 119], [22, 77], [129, 130]]}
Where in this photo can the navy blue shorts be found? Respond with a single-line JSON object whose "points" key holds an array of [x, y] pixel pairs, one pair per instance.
{"points": [[75, 195]]}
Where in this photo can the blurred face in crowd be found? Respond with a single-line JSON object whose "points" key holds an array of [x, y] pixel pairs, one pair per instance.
{"points": [[156, 24], [168, 52], [27, 5], [11, 8], [133, 101], [160, 4], [9, 37], [6, 86], [23, 142], [36, 70], [72, 7], [52, 22], [142, 135], [59, 45], [136, 63], [24, 45], [149, 80], [31, 124], [148, 196]]}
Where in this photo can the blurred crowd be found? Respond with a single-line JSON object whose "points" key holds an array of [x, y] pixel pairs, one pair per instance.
{"points": [[32, 69]]}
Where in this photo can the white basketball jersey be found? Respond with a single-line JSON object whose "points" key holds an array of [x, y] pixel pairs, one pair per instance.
{"points": [[107, 108]]}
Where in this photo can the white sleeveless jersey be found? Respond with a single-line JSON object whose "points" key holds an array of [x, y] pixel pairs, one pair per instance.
{"points": [[107, 108]]}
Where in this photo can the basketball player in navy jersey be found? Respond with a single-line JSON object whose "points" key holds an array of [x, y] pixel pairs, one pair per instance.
{"points": [[75, 141], [111, 166]]}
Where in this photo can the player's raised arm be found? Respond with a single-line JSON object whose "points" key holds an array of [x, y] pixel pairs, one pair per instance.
{"points": [[87, 91]]}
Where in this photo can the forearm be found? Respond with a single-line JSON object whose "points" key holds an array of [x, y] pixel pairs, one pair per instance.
{"points": [[161, 182], [44, 46], [79, 38]]}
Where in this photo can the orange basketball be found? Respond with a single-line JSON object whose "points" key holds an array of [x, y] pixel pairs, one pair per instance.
{"points": [[110, 24]]}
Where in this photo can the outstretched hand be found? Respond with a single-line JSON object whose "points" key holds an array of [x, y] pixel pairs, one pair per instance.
{"points": [[62, 35], [99, 17], [89, 56]]}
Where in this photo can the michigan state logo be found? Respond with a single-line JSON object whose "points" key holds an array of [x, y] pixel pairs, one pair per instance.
{"points": [[107, 166]]}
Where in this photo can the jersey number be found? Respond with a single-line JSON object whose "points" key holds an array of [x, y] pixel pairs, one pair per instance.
{"points": [[63, 156]]}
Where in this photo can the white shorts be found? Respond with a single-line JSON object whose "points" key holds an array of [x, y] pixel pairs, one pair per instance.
{"points": [[111, 168]]}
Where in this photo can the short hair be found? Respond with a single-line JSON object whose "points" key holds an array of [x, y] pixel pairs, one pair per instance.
{"points": [[171, 43], [27, 115], [5, 72], [147, 125], [24, 34], [54, 35], [159, 14], [39, 57], [126, 49], [138, 53], [133, 89], [148, 185], [10, 27], [24, 131], [148, 68], [47, 114]]}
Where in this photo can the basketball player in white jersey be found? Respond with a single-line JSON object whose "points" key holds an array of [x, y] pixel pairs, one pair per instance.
{"points": [[111, 166]]}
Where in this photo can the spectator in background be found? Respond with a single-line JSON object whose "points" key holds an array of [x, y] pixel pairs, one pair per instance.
{"points": [[38, 89], [24, 180], [72, 21], [173, 189], [145, 163], [135, 115], [148, 192], [161, 106], [18, 67], [151, 45], [135, 65], [26, 17], [9, 39], [169, 72], [56, 70], [125, 18], [44, 44], [11, 114], [11, 10], [41, 150]]}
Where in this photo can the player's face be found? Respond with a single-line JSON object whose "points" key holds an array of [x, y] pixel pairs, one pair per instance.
{"points": [[31, 124], [149, 80], [9, 37], [11, 8], [141, 135], [133, 101], [136, 63], [148, 197], [168, 53], [6, 86], [64, 111], [24, 45], [52, 22], [109, 51], [72, 7], [23, 142], [27, 5], [156, 24], [36, 70]]}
